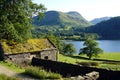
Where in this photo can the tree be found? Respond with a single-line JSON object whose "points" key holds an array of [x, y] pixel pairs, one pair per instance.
{"points": [[56, 40], [15, 18], [91, 48], [69, 49]]}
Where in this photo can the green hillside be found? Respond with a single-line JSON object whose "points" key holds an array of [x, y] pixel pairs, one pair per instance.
{"points": [[60, 24], [61, 20], [109, 29]]}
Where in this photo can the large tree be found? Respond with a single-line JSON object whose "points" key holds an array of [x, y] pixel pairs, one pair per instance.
{"points": [[15, 18], [91, 48]]}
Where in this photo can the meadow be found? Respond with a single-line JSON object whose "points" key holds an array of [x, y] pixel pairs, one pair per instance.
{"points": [[111, 56], [109, 61]]}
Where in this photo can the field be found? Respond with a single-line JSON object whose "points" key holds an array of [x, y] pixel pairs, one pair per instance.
{"points": [[105, 60], [111, 56]]}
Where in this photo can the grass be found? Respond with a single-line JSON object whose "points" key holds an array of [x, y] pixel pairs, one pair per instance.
{"points": [[40, 73], [4, 77], [110, 67], [111, 56], [70, 59], [12, 66], [35, 72], [102, 64]]}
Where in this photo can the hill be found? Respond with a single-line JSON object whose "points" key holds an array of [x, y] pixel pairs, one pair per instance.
{"points": [[98, 20], [60, 24], [57, 19], [109, 29]]}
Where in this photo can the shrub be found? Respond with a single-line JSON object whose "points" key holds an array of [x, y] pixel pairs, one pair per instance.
{"points": [[40, 73]]}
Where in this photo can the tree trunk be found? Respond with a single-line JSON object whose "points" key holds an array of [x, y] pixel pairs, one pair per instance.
{"points": [[90, 55]]}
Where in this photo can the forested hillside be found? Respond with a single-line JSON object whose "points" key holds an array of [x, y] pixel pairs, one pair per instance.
{"points": [[60, 24], [109, 29]]}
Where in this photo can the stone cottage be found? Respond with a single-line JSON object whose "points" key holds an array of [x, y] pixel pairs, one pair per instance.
{"points": [[20, 52]]}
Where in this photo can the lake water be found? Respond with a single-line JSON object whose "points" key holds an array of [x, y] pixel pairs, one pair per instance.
{"points": [[106, 45]]}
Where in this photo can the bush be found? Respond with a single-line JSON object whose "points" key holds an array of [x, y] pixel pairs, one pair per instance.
{"points": [[88, 63], [40, 73]]}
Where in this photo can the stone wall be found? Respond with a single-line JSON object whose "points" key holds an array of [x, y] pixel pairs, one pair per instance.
{"points": [[66, 69], [19, 58], [49, 54]]}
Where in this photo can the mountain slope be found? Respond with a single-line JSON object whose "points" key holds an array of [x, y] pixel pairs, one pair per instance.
{"points": [[109, 29], [53, 18], [98, 20]]}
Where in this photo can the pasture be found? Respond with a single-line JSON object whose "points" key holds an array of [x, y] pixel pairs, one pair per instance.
{"points": [[109, 61]]}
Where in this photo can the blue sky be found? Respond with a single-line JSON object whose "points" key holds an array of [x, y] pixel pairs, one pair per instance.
{"points": [[89, 9]]}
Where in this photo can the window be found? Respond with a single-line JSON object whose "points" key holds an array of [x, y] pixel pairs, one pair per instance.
{"points": [[46, 57]]}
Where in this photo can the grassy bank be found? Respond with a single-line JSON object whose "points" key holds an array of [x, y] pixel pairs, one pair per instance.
{"points": [[12, 66], [106, 60], [39, 73]]}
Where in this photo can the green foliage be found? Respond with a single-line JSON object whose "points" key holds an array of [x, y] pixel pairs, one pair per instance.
{"points": [[15, 17], [63, 48], [91, 48], [40, 73], [69, 49], [4, 77], [56, 40], [64, 33], [61, 24]]}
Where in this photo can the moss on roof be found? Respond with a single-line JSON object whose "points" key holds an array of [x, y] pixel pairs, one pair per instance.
{"points": [[29, 46]]}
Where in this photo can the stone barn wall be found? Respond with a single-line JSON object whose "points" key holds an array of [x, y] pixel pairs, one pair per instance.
{"points": [[19, 58], [49, 54]]}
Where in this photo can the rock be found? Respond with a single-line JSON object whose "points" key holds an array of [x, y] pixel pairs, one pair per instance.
{"points": [[80, 78], [93, 75], [90, 76], [72, 78]]}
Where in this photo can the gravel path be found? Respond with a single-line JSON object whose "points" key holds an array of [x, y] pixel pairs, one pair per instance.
{"points": [[8, 72]]}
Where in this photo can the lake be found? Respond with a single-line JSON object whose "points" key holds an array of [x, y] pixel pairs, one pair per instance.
{"points": [[106, 45]]}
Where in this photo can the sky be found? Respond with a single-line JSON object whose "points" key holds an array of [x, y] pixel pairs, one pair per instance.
{"points": [[89, 9]]}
